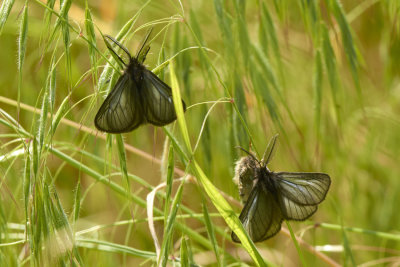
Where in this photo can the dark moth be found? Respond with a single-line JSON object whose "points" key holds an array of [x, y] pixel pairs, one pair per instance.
{"points": [[138, 97], [271, 197]]}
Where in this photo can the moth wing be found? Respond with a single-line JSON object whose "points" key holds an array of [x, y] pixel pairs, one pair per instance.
{"points": [[302, 187], [261, 216], [158, 107], [122, 110], [294, 211]]}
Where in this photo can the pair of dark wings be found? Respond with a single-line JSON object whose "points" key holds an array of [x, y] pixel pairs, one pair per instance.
{"points": [[295, 196], [128, 106]]}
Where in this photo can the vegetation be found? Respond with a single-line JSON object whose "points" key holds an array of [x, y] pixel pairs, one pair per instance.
{"points": [[323, 74]]}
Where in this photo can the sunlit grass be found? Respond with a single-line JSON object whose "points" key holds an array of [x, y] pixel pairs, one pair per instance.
{"points": [[321, 74]]}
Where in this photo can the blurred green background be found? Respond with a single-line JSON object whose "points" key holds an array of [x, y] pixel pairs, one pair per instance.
{"points": [[323, 74]]}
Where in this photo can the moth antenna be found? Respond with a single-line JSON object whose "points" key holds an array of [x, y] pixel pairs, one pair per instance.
{"points": [[269, 152], [120, 46], [250, 154], [144, 54], [144, 44]]}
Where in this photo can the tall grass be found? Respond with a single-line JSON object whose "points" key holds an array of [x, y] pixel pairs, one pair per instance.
{"points": [[322, 74]]}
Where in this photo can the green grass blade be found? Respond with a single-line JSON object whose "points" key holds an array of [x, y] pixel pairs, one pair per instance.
{"points": [[47, 105], [281, 9], [122, 161], [348, 255], [176, 96], [5, 10], [61, 222], [318, 84], [170, 179], [383, 235], [77, 202], [268, 31], [206, 70], [262, 90], [184, 253], [61, 112], [42, 122], [65, 6], [89, 26], [27, 187], [270, 75], [292, 235], [211, 232], [168, 235], [224, 24], [52, 95], [23, 35], [243, 35], [348, 44], [331, 69], [268, 38], [47, 19], [113, 247]]}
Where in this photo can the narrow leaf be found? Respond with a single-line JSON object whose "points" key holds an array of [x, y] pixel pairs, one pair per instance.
{"points": [[92, 40], [348, 43], [317, 84], [210, 231], [165, 248], [5, 10], [23, 35], [184, 253], [176, 96]]}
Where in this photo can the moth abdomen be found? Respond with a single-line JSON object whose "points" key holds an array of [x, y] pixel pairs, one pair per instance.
{"points": [[245, 176]]}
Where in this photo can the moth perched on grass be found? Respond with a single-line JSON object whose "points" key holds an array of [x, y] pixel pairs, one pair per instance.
{"points": [[138, 97], [270, 197]]}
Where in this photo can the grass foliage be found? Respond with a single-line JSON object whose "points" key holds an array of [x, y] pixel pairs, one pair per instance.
{"points": [[323, 74]]}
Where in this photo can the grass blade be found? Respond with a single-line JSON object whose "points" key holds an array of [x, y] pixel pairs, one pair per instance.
{"points": [[331, 69], [317, 84], [65, 6], [210, 231], [89, 26], [23, 35], [113, 247], [168, 235], [243, 35], [184, 253], [5, 10], [294, 239], [348, 44], [176, 96], [170, 179]]}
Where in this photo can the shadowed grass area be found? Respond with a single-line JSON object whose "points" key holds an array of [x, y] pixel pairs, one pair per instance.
{"points": [[324, 75]]}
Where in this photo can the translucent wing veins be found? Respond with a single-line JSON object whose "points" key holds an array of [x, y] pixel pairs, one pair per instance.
{"points": [[121, 110], [301, 187]]}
